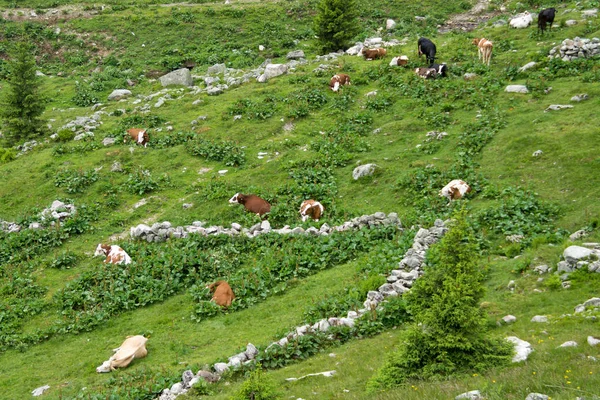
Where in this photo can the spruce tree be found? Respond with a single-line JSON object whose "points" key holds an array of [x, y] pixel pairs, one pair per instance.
{"points": [[336, 23], [22, 105], [449, 335]]}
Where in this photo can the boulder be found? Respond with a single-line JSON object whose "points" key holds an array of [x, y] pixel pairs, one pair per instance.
{"points": [[295, 55], [472, 395], [178, 77], [527, 66], [363, 170], [522, 348], [592, 341], [273, 70], [539, 318], [390, 24], [516, 89], [570, 343], [536, 396], [216, 69], [573, 254], [119, 94]]}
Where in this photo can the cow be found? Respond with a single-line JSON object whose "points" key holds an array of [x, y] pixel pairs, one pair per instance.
{"points": [[440, 69], [426, 47], [251, 203], [311, 209], [373, 54], [399, 61], [484, 49], [114, 254], [140, 136], [222, 294], [455, 190], [133, 347], [521, 21], [426, 73], [546, 16], [338, 80]]}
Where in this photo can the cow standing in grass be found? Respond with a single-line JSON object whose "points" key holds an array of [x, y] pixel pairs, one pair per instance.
{"points": [[222, 293], [546, 16], [426, 47]]}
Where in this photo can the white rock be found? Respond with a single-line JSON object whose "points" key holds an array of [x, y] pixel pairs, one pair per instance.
{"points": [[363, 170], [570, 343], [572, 254], [522, 348], [472, 395], [509, 319], [516, 89], [536, 396], [539, 318], [39, 391], [592, 341], [527, 66], [390, 24]]}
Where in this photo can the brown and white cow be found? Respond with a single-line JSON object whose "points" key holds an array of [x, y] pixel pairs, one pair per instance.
{"points": [[399, 61], [484, 49], [133, 347], [426, 73], [114, 254], [338, 80], [140, 136], [222, 293], [373, 54], [251, 203], [311, 209], [455, 190]]}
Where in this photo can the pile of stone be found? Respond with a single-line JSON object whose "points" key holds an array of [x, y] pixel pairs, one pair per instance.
{"points": [[372, 42], [592, 304], [571, 49], [84, 126], [162, 231], [577, 257], [57, 212]]}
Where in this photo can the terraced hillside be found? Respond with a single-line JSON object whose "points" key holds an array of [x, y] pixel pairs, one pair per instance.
{"points": [[289, 139]]}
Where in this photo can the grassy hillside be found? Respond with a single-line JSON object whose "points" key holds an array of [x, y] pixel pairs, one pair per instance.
{"points": [[61, 310]]}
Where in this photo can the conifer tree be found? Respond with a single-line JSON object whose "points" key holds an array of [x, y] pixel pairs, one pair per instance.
{"points": [[22, 104], [449, 335], [336, 23]]}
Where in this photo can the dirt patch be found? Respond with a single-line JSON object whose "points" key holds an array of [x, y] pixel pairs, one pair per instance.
{"points": [[469, 20]]}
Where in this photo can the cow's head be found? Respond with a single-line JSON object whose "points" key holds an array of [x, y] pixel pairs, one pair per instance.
{"points": [[105, 367], [102, 250], [238, 198]]}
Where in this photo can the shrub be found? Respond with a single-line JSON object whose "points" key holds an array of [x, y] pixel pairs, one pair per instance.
{"points": [[83, 96], [140, 182], [258, 386], [75, 181], [553, 282], [66, 260], [7, 155], [226, 151], [65, 135]]}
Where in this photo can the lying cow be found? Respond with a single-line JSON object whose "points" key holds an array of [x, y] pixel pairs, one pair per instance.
{"points": [[440, 69], [114, 254], [426, 73], [546, 16], [427, 48], [521, 20], [222, 293], [455, 190], [133, 347], [140, 136], [311, 209], [399, 61], [338, 80], [373, 54], [251, 203]]}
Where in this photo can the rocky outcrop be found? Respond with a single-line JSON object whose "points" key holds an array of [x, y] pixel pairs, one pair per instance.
{"points": [[178, 77], [571, 49], [577, 257]]}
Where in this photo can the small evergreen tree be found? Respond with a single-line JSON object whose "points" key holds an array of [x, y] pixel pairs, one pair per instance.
{"points": [[449, 333], [336, 23], [22, 104]]}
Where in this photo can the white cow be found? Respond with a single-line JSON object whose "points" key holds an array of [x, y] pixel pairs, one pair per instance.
{"points": [[133, 347], [522, 20], [454, 190]]}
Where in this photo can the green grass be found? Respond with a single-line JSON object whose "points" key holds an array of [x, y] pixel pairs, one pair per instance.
{"points": [[207, 33]]}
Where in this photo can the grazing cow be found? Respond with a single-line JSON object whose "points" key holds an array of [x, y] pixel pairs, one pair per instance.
{"points": [[454, 190], [521, 21], [484, 49], [373, 54], [252, 203], [114, 254], [426, 46], [546, 16], [440, 69], [133, 347], [338, 80], [399, 61], [222, 294], [426, 73], [311, 209], [140, 136]]}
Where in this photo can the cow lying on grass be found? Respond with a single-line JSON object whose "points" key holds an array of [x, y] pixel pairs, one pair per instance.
{"points": [[338, 80], [133, 347], [455, 190], [140, 136], [114, 254], [311, 209], [222, 293]]}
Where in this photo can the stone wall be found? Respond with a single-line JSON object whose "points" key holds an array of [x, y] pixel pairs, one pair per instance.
{"points": [[571, 49]]}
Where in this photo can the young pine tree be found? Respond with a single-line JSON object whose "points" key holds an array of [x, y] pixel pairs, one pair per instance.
{"points": [[449, 335], [336, 23], [22, 105]]}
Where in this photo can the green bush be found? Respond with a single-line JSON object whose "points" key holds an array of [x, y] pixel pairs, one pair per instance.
{"points": [[75, 181], [83, 96], [140, 182], [226, 151], [65, 135], [66, 260], [258, 386], [553, 282], [7, 155]]}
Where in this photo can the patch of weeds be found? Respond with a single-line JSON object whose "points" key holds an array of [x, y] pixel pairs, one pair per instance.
{"points": [[553, 282], [140, 182], [75, 181], [83, 96], [65, 260], [226, 151]]}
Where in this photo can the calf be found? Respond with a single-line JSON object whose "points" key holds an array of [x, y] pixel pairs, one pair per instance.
{"points": [[133, 347], [311, 209], [426, 46], [114, 254], [546, 16], [222, 294], [251, 203], [484, 49], [338, 80], [440, 69], [399, 61], [426, 73], [140, 136], [521, 21], [373, 54], [454, 190]]}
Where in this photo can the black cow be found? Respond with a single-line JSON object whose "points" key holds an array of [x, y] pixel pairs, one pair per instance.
{"points": [[426, 46], [440, 69], [546, 16]]}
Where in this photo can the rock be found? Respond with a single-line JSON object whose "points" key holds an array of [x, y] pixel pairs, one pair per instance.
{"points": [[592, 341], [509, 319], [579, 97], [294, 55], [273, 70], [522, 348], [593, 302], [578, 235], [570, 343], [472, 395], [527, 66], [208, 376], [556, 107], [178, 77], [390, 24], [108, 141], [516, 89], [119, 94], [186, 378], [511, 285], [261, 47], [116, 167], [177, 389], [539, 318], [570, 22], [220, 368], [469, 76], [363, 170], [573, 254], [541, 269], [216, 69], [187, 205], [536, 396], [39, 391], [593, 13]]}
